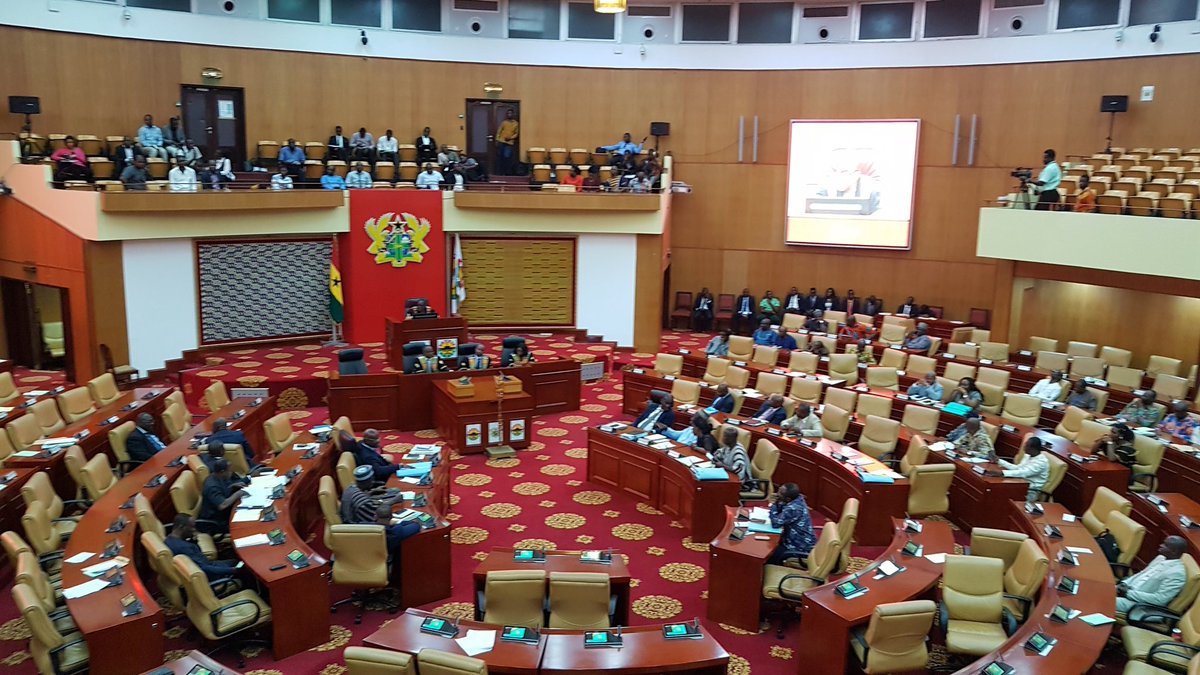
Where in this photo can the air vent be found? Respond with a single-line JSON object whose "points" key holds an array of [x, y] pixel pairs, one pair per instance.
{"points": [[637, 10], [1010, 4], [477, 5], [825, 12]]}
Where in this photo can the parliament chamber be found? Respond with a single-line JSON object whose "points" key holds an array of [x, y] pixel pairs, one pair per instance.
{"points": [[440, 337]]}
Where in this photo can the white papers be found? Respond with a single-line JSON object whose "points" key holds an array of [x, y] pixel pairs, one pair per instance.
{"points": [[58, 440], [1096, 619], [973, 460], [411, 480], [760, 514], [35, 392], [246, 515], [102, 567], [1068, 518], [937, 558], [941, 446], [408, 496], [26, 453], [79, 558], [477, 642], [5, 409], [86, 588], [305, 447], [689, 460], [1078, 549], [252, 540], [862, 461]]}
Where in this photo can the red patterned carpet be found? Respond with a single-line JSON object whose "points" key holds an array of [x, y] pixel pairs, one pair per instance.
{"points": [[537, 499]]}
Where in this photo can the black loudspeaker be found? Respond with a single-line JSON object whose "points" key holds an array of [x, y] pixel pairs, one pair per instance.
{"points": [[660, 128], [1114, 104], [24, 105]]}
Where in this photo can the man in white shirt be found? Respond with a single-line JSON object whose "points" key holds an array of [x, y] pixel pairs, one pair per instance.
{"points": [[183, 177], [1049, 388], [1048, 181], [361, 144], [1035, 468], [281, 180], [359, 179], [387, 147], [1159, 582], [804, 422], [189, 153], [429, 179]]}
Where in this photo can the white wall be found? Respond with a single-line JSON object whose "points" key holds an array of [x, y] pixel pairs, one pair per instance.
{"points": [[605, 279], [160, 300], [107, 19]]}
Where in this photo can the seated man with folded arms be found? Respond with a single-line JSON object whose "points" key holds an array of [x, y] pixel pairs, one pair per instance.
{"points": [[1160, 582], [974, 440], [142, 443], [731, 456], [362, 505], [1035, 468], [427, 362], [817, 323], [182, 541], [221, 493], [698, 434], [719, 345], [1141, 411], [658, 415], [764, 335], [1180, 426], [783, 340], [772, 411], [927, 387], [789, 512], [724, 400], [221, 432], [804, 422], [1080, 397], [366, 453], [918, 339], [1049, 389]]}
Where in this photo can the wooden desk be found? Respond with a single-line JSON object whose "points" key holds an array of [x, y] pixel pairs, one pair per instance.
{"points": [[184, 665], [424, 565], [403, 634], [405, 402], [299, 598], [1179, 472], [645, 652], [1161, 524], [828, 617], [1079, 645], [471, 424], [655, 478], [973, 498], [119, 644], [399, 331], [737, 599], [94, 431], [501, 559]]}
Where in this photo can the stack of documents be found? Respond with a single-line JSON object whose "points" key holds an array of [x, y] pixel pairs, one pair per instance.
{"points": [[477, 642]]}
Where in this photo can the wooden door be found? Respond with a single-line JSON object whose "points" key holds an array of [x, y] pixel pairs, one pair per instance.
{"points": [[484, 116], [21, 327], [213, 118]]}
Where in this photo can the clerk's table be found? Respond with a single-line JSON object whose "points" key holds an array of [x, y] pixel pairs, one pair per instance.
{"points": [[482, 412]]}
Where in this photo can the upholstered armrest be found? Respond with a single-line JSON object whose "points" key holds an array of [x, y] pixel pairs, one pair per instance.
{"points": [[1152, 484], [1170, 648], [222, 587], [758, 483], [1024, 602], [481, 602], [216, 613], [124, 465], [49, 557], [1151, 616], [1009, 621], [84, 502], [56, 653], [792, 596], [1119, 570]]}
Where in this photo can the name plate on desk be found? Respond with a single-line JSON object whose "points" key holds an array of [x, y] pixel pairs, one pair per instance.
{"points": [[508, 384], [462, 387]]}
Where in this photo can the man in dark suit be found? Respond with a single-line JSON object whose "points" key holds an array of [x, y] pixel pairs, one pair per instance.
{"points": [[124, 155], [772, 411], [338, 146], [851, 304], [810, 302], [724, 400], [366, 453], [744, 310], [427, 362], [221, 492], [182, 541], [223, 434], [872, 306], [142, 444], [908, 308], [476, 361], [658, 415]]}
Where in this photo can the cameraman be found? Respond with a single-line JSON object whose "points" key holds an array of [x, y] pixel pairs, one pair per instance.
{"points": [[1047, 182]]}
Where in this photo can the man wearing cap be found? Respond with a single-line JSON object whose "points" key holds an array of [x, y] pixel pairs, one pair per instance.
{"points": [[918, 339], [361, 505]]}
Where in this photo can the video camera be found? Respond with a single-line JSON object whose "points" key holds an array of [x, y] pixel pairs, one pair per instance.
{"points": [[1022, 173]]}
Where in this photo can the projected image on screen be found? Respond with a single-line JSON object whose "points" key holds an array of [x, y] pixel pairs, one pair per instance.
{"points": [[850, 183]]}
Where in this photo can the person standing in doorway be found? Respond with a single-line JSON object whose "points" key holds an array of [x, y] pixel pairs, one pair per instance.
{"points": [[506, 137]]}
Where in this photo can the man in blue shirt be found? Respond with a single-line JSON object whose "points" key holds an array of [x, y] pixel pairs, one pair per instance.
{"points": [[927, 388], [764, 335], [150, 139], [719, 345], [918, 339], [783, 340], [332, 181], [789, 512], [626, 145], [1047, 182], [292, 156]]}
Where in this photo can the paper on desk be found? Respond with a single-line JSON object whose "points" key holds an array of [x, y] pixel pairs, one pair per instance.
{"points": [[246, 515], [86, 588], [1068, 518], [1097, 619], [1078, 549], [973, 460], [477, 642], [26, 453], [102, 567], [759, 513], [941, 446], [251, 540], [937, 558], [426, 449], [57, 440], [79, 558], [35, 392], [410, 480]]}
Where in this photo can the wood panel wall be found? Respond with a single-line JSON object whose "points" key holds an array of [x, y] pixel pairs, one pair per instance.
{"points": [[729, 232], [520, 281]]}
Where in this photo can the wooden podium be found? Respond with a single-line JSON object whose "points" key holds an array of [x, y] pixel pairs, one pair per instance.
{"points": [[472, 419], [401, 331]]}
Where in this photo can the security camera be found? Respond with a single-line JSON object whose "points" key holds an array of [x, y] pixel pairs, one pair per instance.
{"points": [[362, 35], [1154, 33]]}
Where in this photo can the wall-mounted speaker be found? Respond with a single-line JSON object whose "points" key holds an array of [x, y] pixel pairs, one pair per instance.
{"points": [[1114, 104], [660, 128]]}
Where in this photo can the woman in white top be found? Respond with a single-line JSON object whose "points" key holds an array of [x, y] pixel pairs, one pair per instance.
{"points": [[222, 171], [1049, 388]]}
